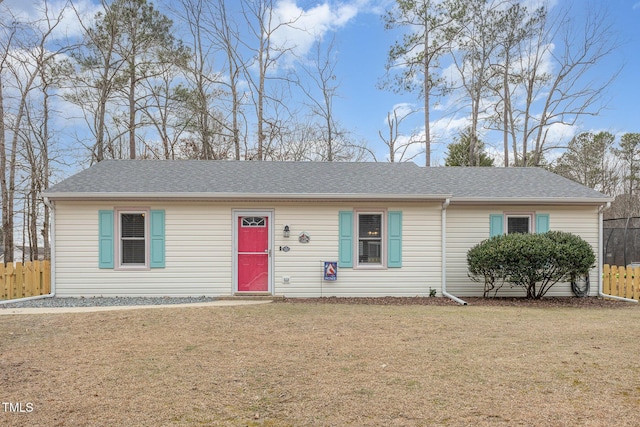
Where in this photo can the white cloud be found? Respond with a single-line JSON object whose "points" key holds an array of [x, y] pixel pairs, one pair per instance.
{"points": [[402, 110], [309, 25], [36, 12], [444, 130]]}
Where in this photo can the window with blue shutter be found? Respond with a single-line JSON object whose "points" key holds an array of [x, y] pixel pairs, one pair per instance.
{"points": [[105, 239], [394, 240], [517, 223], [129, 229], [345, 236]]}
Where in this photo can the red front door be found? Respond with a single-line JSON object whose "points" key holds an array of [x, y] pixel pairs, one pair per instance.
{"points": [[253, 254]]}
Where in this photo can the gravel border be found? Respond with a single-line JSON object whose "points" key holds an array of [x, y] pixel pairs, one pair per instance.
{"points": [[56, 302]]}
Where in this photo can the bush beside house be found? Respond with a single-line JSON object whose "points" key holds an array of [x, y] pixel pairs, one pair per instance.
{"points": [[534, 262]]}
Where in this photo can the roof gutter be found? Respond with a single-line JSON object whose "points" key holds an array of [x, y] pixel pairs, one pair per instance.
{"points": [[52, 293], [600, 256], [443, 254]]}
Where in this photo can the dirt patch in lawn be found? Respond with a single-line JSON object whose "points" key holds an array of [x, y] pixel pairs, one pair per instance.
{"points": [[293, 364]]}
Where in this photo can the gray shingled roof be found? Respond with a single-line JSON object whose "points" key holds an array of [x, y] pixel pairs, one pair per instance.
{"points": [[242, 177], [192, 178], [499, 183]]}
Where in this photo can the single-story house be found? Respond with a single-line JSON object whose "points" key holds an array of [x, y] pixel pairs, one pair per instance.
{"points": [[299, 229]]}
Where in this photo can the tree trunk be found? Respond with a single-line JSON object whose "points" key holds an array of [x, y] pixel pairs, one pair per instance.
{"points": [[427, 90], [132, 109], [506, 106], [7, 213]]}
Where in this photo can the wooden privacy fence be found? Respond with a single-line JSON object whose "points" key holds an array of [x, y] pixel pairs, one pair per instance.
{"points": [[25, 280], [621, 281]]}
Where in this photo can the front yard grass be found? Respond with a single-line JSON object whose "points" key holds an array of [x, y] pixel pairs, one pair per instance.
{"points": [[323, 365]]}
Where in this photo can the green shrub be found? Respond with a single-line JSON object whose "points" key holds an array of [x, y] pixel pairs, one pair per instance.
{"points": [[534, 262]]}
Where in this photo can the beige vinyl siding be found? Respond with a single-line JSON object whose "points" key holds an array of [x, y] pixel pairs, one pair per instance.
{"points": [[303, 264], [199, 251], [469, 225], [198, 261]]}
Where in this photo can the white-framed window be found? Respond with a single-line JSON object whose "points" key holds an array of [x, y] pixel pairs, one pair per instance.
{"points": [[370, 244], [254, 221], [132, 233], [519, 223]]}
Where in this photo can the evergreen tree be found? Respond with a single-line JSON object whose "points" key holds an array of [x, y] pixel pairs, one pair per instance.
{"points": [[589, 161], [458, 152]]}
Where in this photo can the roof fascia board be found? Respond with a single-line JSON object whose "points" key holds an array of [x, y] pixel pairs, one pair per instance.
{"points": [[243, 196], [529, 201]]}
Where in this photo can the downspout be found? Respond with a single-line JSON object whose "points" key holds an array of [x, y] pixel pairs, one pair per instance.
{"points": [[53, 264], [443, 252], [601, 210]]}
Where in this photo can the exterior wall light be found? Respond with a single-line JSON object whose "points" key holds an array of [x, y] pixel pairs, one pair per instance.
{"points": [[286, 232]]}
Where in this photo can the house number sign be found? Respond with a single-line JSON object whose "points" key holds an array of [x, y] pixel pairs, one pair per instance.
{"points": [[304, 237]]}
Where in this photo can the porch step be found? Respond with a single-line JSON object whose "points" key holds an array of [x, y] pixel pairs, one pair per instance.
{"points": [[250, 297]]}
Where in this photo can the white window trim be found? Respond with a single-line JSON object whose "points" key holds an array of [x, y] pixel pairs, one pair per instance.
{"points": [[530, 215], [118, 235], [383, 240]]}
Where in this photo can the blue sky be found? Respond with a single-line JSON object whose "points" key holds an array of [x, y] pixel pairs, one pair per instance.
{"points": [[362, 45]]}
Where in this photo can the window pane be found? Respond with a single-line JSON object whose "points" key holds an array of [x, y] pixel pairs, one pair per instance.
{"points": [[517, 225], [133, 225], [132, 236], [133, 252], [254, 221], [370, 251], [370, 238], [369, 226]]}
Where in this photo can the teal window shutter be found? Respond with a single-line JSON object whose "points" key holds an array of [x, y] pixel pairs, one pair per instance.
{"points": [[496, 227], [105, 239], [394, 240], [157, 239], [345, 244], [542, 223]]}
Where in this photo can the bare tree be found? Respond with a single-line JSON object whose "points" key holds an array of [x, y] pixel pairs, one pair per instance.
{"points": [[266, 54], [162, 102], [201, 89], [7, 170], [397, 148], [571, 92], [226, 37], [320, 89], [212, 98], [524, 72], [25, 65]]}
